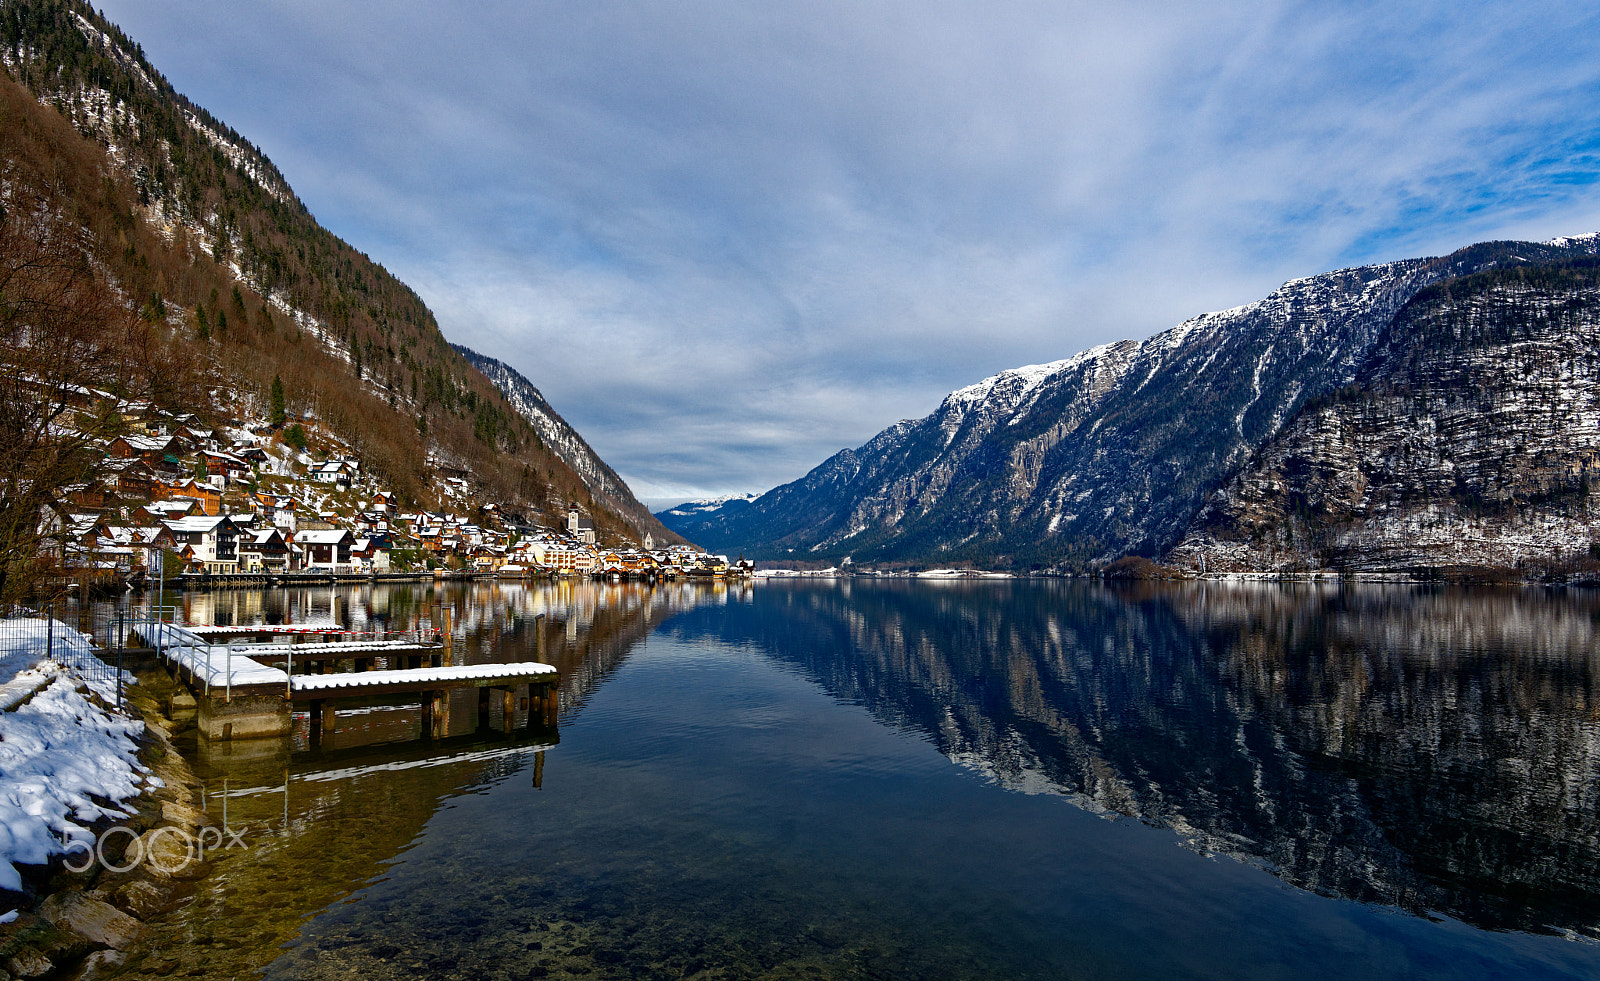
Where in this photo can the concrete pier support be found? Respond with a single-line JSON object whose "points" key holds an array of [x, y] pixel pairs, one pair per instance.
{"points": [[245, 717]]}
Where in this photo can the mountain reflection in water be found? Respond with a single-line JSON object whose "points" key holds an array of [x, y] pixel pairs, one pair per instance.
{"points": [[1432, 749], [742, 785]]}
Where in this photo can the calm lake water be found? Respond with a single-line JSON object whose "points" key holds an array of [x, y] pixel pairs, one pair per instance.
{"points": [[893, 779]]}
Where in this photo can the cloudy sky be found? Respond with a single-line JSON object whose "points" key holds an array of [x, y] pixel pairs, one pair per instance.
{"points": [[728, 239]]}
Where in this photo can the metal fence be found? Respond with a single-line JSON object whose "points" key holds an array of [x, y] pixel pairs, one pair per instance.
{"points": [[90, 639]]}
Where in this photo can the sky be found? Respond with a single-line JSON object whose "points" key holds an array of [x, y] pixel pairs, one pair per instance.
{"points": [[728, 239]]}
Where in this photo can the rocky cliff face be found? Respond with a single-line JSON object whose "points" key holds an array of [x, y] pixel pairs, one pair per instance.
{"points": [[1469, 439], [1106, 453]]}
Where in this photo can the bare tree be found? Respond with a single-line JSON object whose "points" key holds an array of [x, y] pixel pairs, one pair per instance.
{"points": [[71, 354]]}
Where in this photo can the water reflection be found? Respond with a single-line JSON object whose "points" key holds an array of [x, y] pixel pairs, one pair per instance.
{"points": [[705, 810], [1431, 749], [323, 820]]}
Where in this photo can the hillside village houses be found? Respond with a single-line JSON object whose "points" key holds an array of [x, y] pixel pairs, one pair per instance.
{"points": [[239, 502]]}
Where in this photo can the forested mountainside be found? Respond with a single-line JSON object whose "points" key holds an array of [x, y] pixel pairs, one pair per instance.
{"points": [[1109, 453], [1468, 441], [195, 229], [565, 442]]}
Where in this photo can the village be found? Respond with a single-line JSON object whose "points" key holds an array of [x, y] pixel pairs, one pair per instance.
{"points": [[178, 499]]}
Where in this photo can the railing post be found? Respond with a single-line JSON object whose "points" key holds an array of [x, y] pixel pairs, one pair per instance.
{"points": [[121, 644]]}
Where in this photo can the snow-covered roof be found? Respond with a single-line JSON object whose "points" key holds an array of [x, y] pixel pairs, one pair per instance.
{"points": [[195, 522], [332, 537]]}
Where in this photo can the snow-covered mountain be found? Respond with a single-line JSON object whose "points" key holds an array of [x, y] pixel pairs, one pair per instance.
{"points": [[1110, 452], [1468, 443], [565, 442], [691, 513]]}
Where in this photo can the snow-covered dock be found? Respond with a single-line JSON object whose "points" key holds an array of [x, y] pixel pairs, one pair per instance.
{"points": [[242, 692], [313, 685]]}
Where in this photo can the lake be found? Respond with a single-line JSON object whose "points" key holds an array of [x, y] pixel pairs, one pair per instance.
{"points": [[932, 779]]}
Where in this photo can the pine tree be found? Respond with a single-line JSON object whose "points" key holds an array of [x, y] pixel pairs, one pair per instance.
{"points": [[279, 416]]}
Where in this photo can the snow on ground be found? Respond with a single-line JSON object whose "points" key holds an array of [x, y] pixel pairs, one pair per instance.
{"points": [[25, 642], [65, 762]]}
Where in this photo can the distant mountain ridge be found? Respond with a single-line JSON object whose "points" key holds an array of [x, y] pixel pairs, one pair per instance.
{"points": [[1111, 452]]}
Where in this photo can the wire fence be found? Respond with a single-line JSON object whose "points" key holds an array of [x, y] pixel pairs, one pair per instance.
{"points": [[90, 640]]}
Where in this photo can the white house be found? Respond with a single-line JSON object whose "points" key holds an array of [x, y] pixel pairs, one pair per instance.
{"points": [[328, 551], [210, 543]]}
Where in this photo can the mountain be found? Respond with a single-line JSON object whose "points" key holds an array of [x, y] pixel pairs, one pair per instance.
{"points": [[187, 223], [565, 442], [1468, 441], [1111, 452], [693, 513]]}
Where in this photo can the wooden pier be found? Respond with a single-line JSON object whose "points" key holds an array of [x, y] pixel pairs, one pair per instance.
{"points": [[249, 690]]}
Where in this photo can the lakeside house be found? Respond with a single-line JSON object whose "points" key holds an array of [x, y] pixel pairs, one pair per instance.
{"points": [[206, 543], [326, 550], [266, 551]]}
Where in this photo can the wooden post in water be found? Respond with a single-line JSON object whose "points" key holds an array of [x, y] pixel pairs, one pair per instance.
{"points": [[483, 709], [538, 769], [508, 704], [539, 623], [543, 698], [434, 714], [535, 710]]}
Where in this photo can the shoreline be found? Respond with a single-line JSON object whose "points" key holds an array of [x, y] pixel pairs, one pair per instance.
{"points": [[80, 924]]}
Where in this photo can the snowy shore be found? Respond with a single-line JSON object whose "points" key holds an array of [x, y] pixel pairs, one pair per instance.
{"points": [[68, 759], [76, 772]]}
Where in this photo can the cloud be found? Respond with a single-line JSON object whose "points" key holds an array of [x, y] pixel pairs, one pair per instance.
{"points": [[729, 239]]}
